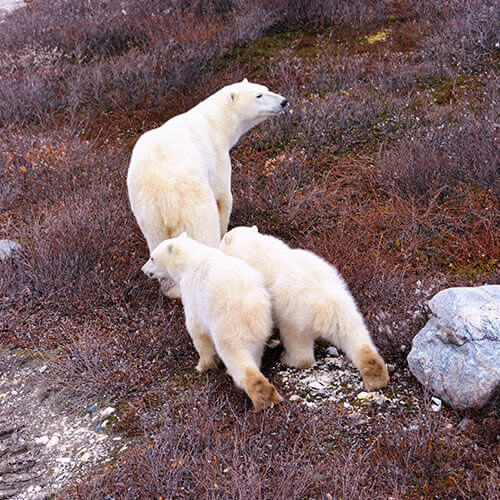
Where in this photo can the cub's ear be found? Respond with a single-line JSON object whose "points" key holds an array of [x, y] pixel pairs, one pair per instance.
{"points": [[245, 80], [183, 236], [255, 229], [227, 239]]}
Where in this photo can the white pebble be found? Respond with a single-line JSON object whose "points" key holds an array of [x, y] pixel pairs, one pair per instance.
{"points": [[107, 412], [43, 440], [53, 441], [365, 396]]}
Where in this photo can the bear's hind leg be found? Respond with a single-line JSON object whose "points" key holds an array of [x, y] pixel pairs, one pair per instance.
{"points": [[299, 347], [241, 366], [372, 367], [259, 389]]}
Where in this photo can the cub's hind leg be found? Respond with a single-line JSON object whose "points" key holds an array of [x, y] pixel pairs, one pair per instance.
{"points": [[299, 346]]}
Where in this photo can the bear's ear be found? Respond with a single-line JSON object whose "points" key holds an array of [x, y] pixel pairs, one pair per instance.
{"points": [[255, 229], [183, 236], [245, 80], [227, 239]]}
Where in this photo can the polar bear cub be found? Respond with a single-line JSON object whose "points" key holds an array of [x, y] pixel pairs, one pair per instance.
{"points": [[227, 309], [310, 300], [179, 178]]}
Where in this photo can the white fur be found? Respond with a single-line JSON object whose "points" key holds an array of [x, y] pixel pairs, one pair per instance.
{"points": [[179, 178], [227, 308], [310, 300]]}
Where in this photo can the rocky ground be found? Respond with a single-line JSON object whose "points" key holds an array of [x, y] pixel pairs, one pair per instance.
{"points": [[7, 6], [45, 439], [334, 378]]}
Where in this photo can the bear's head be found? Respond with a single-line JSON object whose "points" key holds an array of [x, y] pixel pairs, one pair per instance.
{"points": [[253, 103], [168, 258], [238, 240]]}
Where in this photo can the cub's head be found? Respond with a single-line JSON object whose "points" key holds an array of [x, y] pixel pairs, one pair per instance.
{"points": [[238, 241], [254, 103], [168, 258]]}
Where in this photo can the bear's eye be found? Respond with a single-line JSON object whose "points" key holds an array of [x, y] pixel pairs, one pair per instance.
{"points": [[259, 96], [152, 260]]}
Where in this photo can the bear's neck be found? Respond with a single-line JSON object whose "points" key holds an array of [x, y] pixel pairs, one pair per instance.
{"points": [[227, 126]]}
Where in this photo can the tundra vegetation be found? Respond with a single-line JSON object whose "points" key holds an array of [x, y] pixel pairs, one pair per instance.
{"points": [[387, 166]]}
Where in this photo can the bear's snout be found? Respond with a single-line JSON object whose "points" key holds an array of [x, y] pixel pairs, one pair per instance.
{"points": [[284, 102], [147, 271]]}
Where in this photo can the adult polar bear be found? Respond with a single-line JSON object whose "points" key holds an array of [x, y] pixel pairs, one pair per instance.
{"points": [[179, 178]]}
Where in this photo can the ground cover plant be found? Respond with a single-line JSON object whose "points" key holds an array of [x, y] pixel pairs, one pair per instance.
{"points": [[387, 165]]}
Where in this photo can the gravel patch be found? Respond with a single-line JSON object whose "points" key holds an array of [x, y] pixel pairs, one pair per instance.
{"points": [[45, 440], [7, 6], [335, 379]]}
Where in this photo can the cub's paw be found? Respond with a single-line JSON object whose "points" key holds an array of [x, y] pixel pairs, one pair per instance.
{"points": [[296, 362], [373, 369], [169, 289], [205, 365], [260, 390]]}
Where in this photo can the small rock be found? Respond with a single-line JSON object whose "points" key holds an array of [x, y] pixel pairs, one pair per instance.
{"points": [[391, 367], [92, 408], [53, 441], [98, 427], [436, 404], [85, 457], [317, 386], [107, 412], [43, 440], [365, 396], [464, 424], [42, 368], [332, 351], [63, 460], [294, 397], [7, 247]]}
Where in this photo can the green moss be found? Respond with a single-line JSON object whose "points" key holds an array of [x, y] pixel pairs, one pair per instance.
{"points": [[446, 88], [36, 354], [474, 268], [379, 36]]}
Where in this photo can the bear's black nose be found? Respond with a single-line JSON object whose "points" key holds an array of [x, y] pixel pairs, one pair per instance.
{"points": [[284, 102]]}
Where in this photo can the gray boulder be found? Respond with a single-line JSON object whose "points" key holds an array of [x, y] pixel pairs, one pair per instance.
{"points": [[457, 353], [7, 247]]}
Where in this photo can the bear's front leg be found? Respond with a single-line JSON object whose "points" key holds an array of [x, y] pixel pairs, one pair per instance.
{"points": [[169, 288], [224, 206], [204, 345]]}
